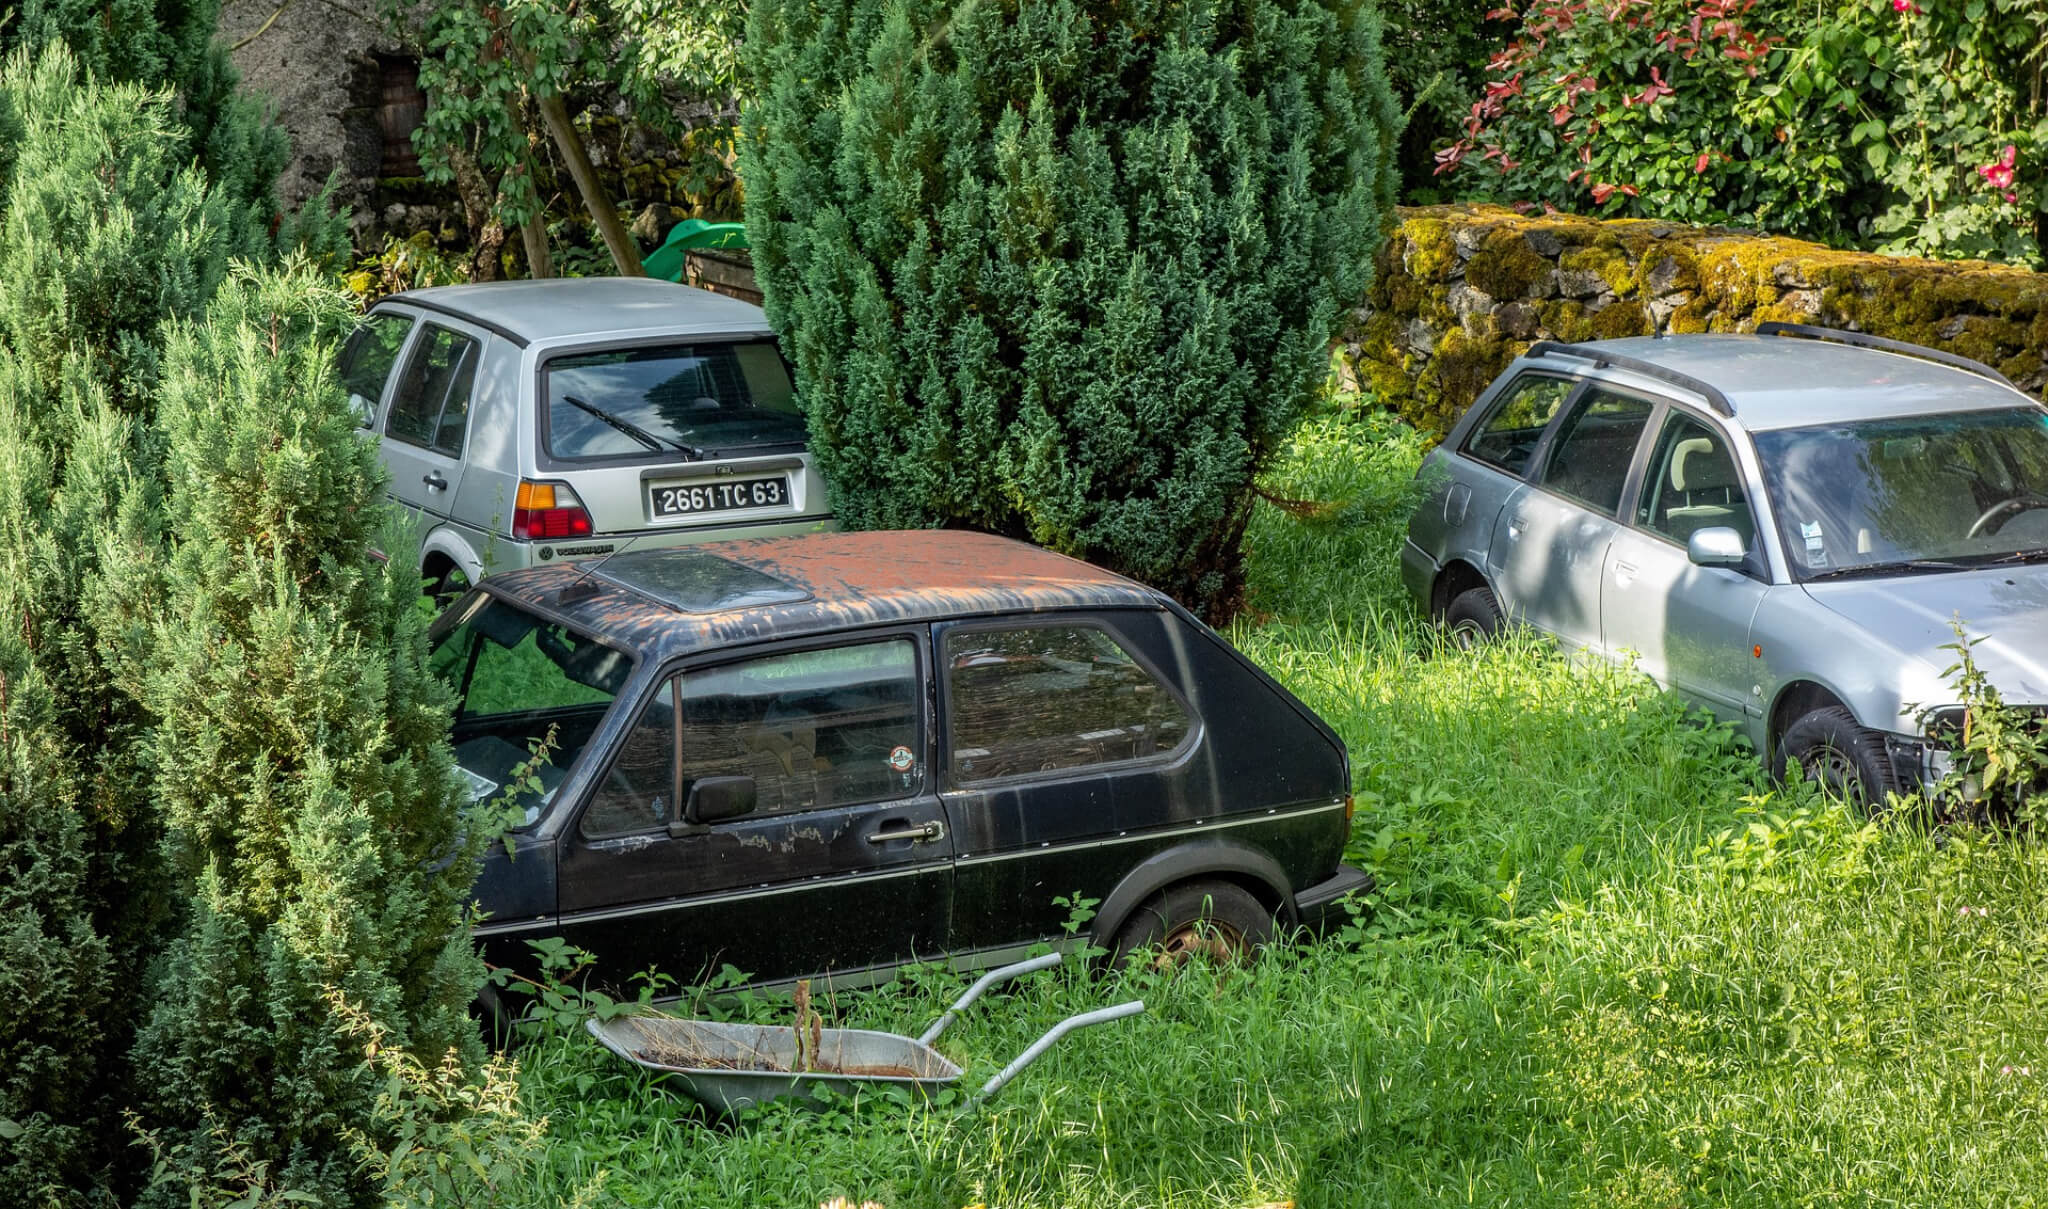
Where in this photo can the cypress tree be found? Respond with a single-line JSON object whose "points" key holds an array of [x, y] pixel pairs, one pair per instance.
{"points": [[112, 239], [105, 229], [170, 46], [1064, 270], [300, 755]]}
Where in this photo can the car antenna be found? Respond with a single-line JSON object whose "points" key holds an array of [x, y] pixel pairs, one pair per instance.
{"points": [[581, 588]]}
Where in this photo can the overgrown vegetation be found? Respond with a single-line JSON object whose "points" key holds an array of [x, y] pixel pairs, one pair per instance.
{"points": [[1060, 270], [1607, 965], [224, 777], [1914, 129], [515, 88]]}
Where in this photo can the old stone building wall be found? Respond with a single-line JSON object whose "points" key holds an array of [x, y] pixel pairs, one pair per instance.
{"points": [[320, 64], [1460, 291]]}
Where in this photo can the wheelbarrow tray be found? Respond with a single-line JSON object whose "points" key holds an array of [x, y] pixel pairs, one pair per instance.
{"points": [[731, 1067]]}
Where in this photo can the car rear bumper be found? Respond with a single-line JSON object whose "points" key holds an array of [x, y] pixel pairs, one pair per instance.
{"points": [[1314, 904]]}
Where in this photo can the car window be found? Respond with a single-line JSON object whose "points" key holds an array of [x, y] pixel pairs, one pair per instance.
{"points": [[832, 727], [522, 684], [1590, 456], [431, 404], [1962, 488], [632, 402], [367, 359], [1692, 484], [638, 790], [1049, 697], [1508, 435]]}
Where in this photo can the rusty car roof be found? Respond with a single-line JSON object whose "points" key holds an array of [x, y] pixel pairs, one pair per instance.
{"points": [[672, 601]]}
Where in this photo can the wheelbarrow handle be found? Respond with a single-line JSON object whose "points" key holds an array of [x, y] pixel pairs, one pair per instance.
{"points": [[999, 974], [1052, 1036]]}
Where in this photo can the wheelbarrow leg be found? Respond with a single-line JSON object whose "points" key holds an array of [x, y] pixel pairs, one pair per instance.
{"points": [[1052, 1036]]}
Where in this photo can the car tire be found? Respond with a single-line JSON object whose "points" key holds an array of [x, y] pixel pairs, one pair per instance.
{"points": [[442, 589], [1832, 748], [1472, 618], [1217, 919]]}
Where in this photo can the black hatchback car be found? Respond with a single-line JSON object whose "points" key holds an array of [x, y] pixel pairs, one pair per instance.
{"points": [[835, 754]]}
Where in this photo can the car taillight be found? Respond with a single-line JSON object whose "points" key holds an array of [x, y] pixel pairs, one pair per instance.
{"points": [[548, 510]]}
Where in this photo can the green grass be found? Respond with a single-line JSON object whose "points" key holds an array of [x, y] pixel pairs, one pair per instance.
{"points": [[1607, 966]]}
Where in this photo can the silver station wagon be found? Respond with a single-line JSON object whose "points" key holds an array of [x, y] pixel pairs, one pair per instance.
{"points": [[531, 422], [1781, 527]]}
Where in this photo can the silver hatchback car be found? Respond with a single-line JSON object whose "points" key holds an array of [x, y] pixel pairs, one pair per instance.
{"points": [[1781, 527], [530, 422]]}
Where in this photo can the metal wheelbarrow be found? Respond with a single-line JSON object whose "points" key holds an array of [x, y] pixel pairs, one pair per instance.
{"points": [[731, 1067]]}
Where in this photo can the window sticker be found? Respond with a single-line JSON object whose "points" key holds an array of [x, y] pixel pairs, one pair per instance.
{"points": [[1816, 546], [901, 759]]}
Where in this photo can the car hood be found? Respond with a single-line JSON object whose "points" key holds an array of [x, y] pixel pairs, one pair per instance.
{"points": [[2007, 607]]}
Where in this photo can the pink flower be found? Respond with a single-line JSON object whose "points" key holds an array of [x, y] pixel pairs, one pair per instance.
{"points": [[1906, 7], [1699, 165], [1999, 172]]}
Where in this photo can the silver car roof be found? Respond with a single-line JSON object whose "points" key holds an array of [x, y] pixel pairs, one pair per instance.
{"points": [[1776, 382], [573, 308]]}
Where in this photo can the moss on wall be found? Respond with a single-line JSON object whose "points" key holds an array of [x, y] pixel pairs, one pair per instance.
{"points": [[1462, 290]]}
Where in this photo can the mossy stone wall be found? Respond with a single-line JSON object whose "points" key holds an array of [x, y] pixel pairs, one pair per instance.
{"points": [[1461, 290]]}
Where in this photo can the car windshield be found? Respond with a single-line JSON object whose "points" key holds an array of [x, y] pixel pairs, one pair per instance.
{"points": [[521, 682], [1912, 494], [697, 400]]}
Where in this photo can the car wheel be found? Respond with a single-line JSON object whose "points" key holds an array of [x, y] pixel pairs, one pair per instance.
{"points": [[1833, 749], [1472, 618], [1215, 919], [444, 587]]}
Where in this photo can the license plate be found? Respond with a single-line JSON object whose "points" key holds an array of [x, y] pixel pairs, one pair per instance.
{"points": [[722, 496]]}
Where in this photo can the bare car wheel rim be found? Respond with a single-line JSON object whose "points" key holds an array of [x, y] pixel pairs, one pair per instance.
{"points": [[1202, 938], [1833, 768]]}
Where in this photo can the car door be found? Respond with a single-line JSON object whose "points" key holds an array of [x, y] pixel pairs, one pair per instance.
{"points": [[426, 421], [1456, 518], [1550, 543], [1688, 626], [1061, 746], [844, 862]]}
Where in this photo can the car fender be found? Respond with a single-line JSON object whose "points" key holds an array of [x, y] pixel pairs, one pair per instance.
{"points": [[1183, 862], [448, 541]]}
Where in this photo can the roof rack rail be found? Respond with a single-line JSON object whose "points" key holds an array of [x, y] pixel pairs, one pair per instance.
{"points": [[1835, 335], [1601, 359]]}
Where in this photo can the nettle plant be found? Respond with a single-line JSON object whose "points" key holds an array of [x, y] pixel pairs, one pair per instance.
{"points": [[1914, 130], [1998, 751]]}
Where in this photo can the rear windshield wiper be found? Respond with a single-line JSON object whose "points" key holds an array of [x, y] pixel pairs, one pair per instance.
{"points": [[1887, 568], [635, 431]]}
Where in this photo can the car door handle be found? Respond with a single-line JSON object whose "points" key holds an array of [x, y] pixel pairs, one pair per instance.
{"points": [[1624, 573], [434, 481], [1514, 527], [926, 834]]}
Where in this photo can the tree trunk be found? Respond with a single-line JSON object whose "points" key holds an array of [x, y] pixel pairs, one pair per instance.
{"points": [[616, 238], [533, 233], [479, 212]]}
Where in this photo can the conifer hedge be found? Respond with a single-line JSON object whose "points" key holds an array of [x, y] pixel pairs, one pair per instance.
{"points": [[1064, 270], [225, 789]]}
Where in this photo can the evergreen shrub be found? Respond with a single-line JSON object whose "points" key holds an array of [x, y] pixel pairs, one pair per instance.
{"points": [[1061, 270], [301, 758]]}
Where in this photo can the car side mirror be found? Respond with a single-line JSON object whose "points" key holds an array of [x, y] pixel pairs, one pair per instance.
{"points": [[716, 799], [1716, 546]]}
